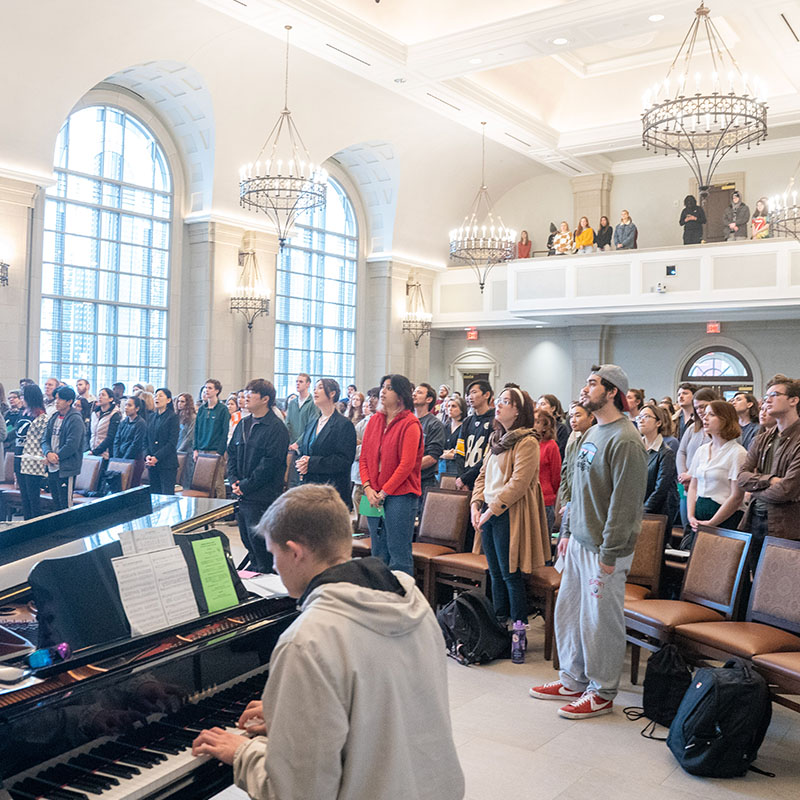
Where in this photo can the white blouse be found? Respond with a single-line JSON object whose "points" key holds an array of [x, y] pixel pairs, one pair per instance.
{"points": [[715, 472]]}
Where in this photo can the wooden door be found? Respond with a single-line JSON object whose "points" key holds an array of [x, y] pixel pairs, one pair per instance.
{"points": [[717, 200]]}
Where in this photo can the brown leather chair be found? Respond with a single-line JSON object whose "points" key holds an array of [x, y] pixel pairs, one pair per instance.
{"points": [[772, 623], [7, 476], [87, 479], [179, 475], [125, 467], [205, 476], [362, 546], [782, 672], [644, 578], [449, 482], [710, 592], [442, 530], [459, 572]]}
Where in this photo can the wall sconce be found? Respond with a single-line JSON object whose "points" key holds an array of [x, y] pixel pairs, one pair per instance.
{"points": [[3, 273], [417, 320], [250, 299]]}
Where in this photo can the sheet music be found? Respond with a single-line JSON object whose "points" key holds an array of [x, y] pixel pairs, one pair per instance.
{"points": [[155, 589], [266, 585], [146, 540]]}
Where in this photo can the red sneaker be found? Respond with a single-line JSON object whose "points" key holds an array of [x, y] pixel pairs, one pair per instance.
{"points": [[555, 690], [590, 705]]}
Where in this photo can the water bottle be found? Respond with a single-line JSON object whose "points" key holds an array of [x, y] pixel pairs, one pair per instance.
{"points": [[518, 642]]}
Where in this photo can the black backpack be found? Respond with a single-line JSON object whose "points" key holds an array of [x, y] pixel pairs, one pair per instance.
{"points": [[721, 721], [471, 631]]}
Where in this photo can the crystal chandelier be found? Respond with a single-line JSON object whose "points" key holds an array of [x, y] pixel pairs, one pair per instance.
{"points": [[417, 320], [481, 246], [3, 273], [250, 299], [286, 183], [701, 118]]}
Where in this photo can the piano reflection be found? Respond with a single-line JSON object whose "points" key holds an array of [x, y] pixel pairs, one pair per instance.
{"points": [[115, 719]]}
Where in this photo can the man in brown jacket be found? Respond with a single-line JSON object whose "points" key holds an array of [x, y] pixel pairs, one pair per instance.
{"points": [[771, 472]]}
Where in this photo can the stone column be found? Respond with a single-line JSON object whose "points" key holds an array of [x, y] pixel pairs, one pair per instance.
{"points": [[591, 198], [19, 301]]}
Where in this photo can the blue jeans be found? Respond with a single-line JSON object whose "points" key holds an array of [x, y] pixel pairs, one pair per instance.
{"points": [[508, 588], [391, 535]]}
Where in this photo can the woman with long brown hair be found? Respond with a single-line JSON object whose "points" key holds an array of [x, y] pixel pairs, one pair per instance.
{"points": [[508, 508]]}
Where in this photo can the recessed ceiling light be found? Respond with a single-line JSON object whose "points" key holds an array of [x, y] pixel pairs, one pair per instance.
{"points": [[656, 17], [561, 40], [399, 80], [476, 61]]}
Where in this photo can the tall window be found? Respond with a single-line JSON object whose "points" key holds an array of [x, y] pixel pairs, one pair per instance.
{"points": [[315, 315], [105, 271]]}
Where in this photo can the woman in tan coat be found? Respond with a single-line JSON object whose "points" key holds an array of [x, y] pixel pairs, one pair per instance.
{"points": [[508, 506]]}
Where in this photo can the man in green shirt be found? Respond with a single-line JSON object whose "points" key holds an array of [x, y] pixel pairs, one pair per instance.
{"points": [[211, 430], [596, 545], [299, 412]]}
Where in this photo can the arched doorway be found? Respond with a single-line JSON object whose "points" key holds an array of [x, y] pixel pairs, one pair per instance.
{"points": [[720, 368]]}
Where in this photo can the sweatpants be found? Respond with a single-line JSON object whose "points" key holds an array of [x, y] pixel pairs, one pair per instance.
{"points": [[590, 622]]}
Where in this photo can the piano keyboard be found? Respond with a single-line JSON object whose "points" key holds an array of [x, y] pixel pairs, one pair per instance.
{"points": [[146, 759]]}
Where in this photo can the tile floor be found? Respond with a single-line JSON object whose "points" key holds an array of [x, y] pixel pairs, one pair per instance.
{"points": [[512, 745]]}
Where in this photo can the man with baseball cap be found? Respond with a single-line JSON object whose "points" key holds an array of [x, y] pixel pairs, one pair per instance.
{"points": [[735, 218], [596, 545]]}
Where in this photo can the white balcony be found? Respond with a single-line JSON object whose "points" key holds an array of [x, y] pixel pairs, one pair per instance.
{"points": [[735, 280]]}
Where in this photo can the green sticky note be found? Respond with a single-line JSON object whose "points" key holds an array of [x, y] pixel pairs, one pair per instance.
{"points": [[215, 577]]}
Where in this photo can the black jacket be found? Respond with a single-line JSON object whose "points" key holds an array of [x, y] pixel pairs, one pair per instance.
{"points": [[661, 495], [331, 455], [131, 438], [70, 442], [603, 236], [257, 458], [162, 439], [693, 228]]}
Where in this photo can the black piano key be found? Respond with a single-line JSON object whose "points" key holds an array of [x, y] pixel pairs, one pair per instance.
{"points": [[130, 754], [105, 765], [18, 794], [44, 788], [78, 778]]}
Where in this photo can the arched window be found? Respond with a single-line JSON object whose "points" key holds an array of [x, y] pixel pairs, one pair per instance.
{"points": [[717, 365], [315, 308], [105, 270]]}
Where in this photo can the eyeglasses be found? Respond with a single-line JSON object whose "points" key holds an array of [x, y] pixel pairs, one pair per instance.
{"points": [[771, 395], [642, 417]]}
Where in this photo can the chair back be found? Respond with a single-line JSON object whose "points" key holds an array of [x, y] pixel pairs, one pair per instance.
{"points": [[181, 467], [125, 468], [205, 472], [445, 518], [362, 524], [8, 469], [714, 573], [648, 554], [448, 482], [90, 472], [775, 597]]}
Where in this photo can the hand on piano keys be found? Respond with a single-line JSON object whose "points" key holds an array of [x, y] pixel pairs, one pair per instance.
{"points": [[252, 719], [219, 743]]}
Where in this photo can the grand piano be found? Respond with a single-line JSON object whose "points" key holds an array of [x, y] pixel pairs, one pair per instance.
{"points": [[116, 719]]}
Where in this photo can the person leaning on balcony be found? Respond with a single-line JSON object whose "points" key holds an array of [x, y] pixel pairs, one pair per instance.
{"points": [[524, 245], [625, 233], [562, 241], [692, 220], [584, 236], [759, 224], [604, 234], [735, 218]]}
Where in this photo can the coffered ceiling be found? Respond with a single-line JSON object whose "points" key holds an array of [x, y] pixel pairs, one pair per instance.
{"points": [[560, 81]]}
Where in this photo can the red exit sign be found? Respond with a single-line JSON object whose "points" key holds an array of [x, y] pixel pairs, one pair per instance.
{"points": [[712, 327], [472, 335]]}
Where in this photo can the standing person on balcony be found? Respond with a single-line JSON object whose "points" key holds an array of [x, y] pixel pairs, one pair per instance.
{"points": [[604, 234], [692, 220], [390, 464], [625, 234], [735, 219], [597, 541], [563, 243], [211, 430], [584, 236], [551, 250], [759, 224], [524, 245], [771, 471]]}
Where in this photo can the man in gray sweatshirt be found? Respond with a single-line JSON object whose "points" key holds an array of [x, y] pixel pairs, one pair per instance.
{"points": [[605, 515]]}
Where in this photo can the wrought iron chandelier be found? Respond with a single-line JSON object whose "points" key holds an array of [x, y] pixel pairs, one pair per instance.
{"points": [[417, 320], [286, 183], [481, 246], [701, 118], [784, 214], [250, 299], [3, 273]]}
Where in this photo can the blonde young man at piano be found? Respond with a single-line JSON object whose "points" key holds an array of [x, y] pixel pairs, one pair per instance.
{"points": [[355, 707]]}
